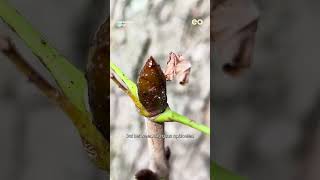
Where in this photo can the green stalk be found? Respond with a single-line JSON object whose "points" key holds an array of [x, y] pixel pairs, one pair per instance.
{"points": [[169, 115]]}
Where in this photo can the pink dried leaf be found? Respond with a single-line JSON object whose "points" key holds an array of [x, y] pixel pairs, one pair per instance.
{"points": [[170, 71], [179, 68]]}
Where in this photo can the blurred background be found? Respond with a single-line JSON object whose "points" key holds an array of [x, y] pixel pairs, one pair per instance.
{"points": [[156, 28], [266, 122], [38, 141]]}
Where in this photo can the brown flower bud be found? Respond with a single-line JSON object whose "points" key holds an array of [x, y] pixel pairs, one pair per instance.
{"points": [[152, 88]]}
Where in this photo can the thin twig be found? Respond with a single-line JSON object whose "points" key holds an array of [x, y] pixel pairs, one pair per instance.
{"points": [[118, 83], [8, 49]]}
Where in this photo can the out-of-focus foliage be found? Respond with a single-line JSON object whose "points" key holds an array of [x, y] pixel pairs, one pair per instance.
{"points": [[69, 79], [219, 173]]}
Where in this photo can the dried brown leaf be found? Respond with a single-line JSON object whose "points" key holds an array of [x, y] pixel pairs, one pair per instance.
{"points": [[177, 67]]}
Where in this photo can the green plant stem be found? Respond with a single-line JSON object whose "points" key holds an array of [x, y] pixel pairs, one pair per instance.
{"points": [[167, 116]]}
